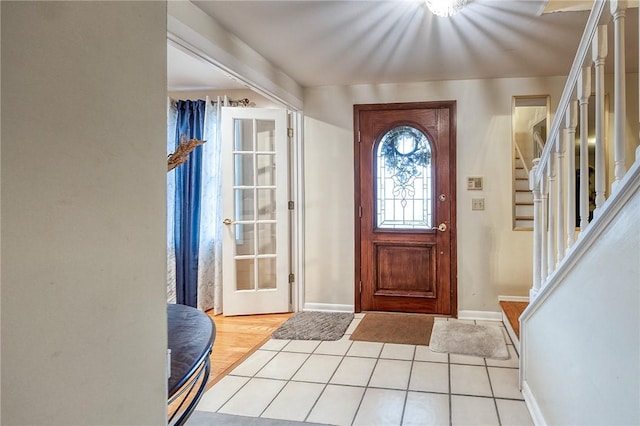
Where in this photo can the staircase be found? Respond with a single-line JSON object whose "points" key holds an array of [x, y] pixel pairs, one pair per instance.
{"points": [[577, 339], [523, 215]]}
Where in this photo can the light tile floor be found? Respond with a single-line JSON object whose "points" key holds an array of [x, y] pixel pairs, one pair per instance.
{"points": [[364, 383]]}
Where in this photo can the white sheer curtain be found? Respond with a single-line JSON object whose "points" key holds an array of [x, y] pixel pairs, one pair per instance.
{"points": [[210, 251], [172, 119]]}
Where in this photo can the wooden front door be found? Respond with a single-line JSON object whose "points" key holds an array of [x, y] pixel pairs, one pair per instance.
{"points": [[405, 207]]}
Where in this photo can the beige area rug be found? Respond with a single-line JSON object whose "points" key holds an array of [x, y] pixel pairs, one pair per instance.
{"points": [[410, 329], [468, 339]]}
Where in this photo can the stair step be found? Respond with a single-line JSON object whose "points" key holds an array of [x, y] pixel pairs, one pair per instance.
{"points": [[524, 218], [511, 312], [524, 203]]}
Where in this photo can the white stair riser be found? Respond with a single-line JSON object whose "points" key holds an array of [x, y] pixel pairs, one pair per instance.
{"points": [[524, 224], [521, 174], [524, 210], [524, 197], [522, 184]]}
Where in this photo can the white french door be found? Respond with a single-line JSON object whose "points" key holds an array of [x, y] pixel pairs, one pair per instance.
{"points": [[255, 188]]}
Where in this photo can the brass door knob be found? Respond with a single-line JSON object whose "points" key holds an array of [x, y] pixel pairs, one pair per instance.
{"points": [[442, 227], [227, 221]]}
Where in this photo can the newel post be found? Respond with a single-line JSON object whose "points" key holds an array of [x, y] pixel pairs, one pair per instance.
{"points": [[537, 231]]}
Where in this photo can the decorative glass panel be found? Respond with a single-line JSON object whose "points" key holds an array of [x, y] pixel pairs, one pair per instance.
{"points": [[404, 180]]}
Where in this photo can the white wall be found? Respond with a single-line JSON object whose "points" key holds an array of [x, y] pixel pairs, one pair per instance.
{"points": [[188, 24], [492, 258], [581, 346], [83, 213]]}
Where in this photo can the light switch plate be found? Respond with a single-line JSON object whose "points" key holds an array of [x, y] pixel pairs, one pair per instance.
{"points": [[477, 204]]}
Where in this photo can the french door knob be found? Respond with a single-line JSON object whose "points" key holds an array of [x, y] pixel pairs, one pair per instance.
{"points": [[227, 221]]}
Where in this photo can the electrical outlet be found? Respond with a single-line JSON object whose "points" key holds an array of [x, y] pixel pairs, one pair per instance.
{"points": [[477, 204]]}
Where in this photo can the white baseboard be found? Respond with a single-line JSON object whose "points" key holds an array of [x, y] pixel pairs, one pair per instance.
{"points": [[480, 315], [327, 307], [532, 405], [513, 299]]}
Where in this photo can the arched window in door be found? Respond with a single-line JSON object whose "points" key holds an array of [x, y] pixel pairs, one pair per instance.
{"points": [[404, 180]]}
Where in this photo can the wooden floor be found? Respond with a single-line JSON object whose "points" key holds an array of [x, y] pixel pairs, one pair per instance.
{"points": [[513, 310], [237, 338]]}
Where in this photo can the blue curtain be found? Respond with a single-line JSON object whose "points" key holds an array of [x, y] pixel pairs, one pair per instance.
{"points": [[191, 115]]}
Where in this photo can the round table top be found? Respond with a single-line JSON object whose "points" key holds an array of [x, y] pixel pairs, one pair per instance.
{"points": [[190, 338]]}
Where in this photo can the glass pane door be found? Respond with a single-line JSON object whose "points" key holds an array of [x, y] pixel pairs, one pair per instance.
{"points": [[255, 248]]}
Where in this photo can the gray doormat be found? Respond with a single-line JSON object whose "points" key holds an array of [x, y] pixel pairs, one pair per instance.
{"points": [[204, 418], [468, 339], [314, 326]]}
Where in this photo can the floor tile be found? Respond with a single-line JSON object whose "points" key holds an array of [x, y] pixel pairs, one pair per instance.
{"points": [[294, 402], [274, 344], [254, 363], [283, 366], [470, 380], [365, 349], [396, 351], [513, 413], [354, 371], [512, 362], [318, 368], [461, 321], [426, 409], [391, 374], [337, 405], [303, 346], [220, 393], [334, 347], [253, 398], [466, 359], [472, 410], [423, 353], [429, 377], [380, 407], [490, 323], [352, 327], [505, 382]]}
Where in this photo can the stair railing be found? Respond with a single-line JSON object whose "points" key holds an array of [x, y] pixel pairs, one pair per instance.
{"points": [[524, 163], [552, 178]]}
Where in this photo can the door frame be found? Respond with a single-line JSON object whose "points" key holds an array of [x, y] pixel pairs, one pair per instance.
{"points": [[451, 106], [187, 42]]}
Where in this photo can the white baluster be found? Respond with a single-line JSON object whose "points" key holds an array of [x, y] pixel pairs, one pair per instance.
{"points": [[618, 9], [544, 213], [560, 198], [584, 92], [571, 123], [551, 209], [537, 232], [599, 52]]}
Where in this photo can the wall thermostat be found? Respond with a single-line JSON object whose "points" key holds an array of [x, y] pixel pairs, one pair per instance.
{"points": [[474, 182]]}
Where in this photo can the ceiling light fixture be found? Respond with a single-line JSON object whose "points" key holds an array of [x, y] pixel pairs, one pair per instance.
{"points": [[445, 8]]}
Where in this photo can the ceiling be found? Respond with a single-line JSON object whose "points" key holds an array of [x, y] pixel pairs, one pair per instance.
{"points": [[320, 42]]}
